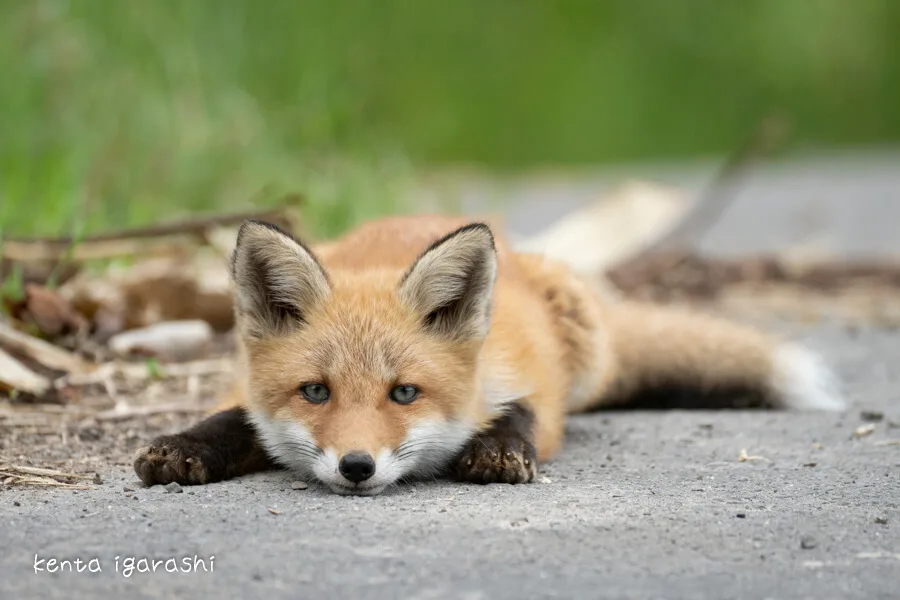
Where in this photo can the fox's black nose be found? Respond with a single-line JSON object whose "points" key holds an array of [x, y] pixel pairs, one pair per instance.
{"points": [[357, 466]]}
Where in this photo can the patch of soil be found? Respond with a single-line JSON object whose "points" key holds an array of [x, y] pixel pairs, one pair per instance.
{"points": [[100, 430]]}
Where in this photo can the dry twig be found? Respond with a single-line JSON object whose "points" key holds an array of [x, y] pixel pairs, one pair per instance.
{"points": [[137, 372], [44, 353], [744, 457], [24, 475], [110, 243], [123, 412]]}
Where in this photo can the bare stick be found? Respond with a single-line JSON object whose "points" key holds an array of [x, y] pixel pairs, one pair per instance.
{"points": [[719, 194], [40, 248], [140, 371], [40, 472], [119, 414], [42, 352]]}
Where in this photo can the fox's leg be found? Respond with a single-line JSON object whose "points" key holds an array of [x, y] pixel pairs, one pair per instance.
{"points": [[222, 446], [503, 453]]}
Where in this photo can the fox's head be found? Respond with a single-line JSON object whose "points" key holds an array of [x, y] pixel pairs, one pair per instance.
{"points": [[361, 378]]}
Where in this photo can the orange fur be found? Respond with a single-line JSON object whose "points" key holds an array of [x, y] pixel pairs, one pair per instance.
{"points": [[556, 342]]}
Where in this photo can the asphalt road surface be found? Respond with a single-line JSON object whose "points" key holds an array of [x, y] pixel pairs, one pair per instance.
{"points": [[638, 505]]}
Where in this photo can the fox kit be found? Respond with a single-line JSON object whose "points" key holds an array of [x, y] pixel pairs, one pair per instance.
{"points": [[414, 346]]}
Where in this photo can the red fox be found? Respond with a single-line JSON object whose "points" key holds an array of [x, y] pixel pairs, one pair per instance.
{"points": [[416, 346]]}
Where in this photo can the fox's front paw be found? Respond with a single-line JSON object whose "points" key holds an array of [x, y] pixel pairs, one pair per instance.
{"points": [[172, 458], [497, 458]]}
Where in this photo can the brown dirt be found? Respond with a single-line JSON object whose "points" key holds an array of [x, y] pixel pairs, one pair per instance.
{"points": [[87, 435]]}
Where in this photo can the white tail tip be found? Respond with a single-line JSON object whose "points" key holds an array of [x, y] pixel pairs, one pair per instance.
{"points": [[801, 380]]}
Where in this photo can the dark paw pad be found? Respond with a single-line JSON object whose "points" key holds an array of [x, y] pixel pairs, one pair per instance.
{"points": [[498, 459], [171, 458]]}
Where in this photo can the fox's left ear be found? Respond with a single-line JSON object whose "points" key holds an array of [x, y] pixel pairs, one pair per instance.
{"points": [[451, 285], [277, 280]]}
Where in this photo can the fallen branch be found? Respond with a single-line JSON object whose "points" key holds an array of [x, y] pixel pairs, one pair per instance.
{"points": [[40, 472], [121, 241], [121, 413], [712, 202], [669, 249], [43, 353], [137, 372], [22, 475], [17, 377]]}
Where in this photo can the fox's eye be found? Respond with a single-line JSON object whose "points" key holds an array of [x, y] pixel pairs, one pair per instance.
{"points": [[315, 392], [404, 394]]}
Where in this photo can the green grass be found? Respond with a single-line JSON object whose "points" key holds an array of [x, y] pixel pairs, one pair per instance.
{"points": [[118, 112]]}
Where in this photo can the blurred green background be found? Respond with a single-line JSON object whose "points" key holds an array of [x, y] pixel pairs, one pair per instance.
{"points": [[121, 112]]}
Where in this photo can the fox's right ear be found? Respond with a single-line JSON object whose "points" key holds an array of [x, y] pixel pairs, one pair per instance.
{"points": [[451, 284], [277, 280]]}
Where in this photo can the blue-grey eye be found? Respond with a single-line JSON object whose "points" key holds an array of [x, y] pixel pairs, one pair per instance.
{"points": [[315, 392], [404, 394]]}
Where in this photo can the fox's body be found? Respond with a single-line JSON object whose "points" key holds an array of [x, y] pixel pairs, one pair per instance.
{"points": [[498, 346]]}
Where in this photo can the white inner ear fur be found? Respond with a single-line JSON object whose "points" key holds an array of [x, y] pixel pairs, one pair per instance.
{"points": [[451, 285], [276, 280]]}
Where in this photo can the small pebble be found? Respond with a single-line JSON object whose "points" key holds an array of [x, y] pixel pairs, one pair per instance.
{"points": [[741, 516], [127, 489], [864, 430], [871, 415], [173, 488], [808, 543], [299, 485], [97, 479], [881, 520], [16, 503]]}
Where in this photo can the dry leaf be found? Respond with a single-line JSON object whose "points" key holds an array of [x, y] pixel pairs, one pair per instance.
{"points": [[51, 313], [744, 457], [151, 291]]}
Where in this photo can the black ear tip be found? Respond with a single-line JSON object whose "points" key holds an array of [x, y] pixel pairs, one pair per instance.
{"points": [[479, 227], [248, 227], [257, 223]]}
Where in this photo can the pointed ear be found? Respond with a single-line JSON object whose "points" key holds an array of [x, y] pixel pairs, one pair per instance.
{"points": [[277, 280], [451, 285]]}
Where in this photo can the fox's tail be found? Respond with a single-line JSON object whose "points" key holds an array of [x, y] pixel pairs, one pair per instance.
{"points": [[661, 357]]}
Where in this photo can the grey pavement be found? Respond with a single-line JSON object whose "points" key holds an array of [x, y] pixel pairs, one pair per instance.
{"points": [[638, 505]]}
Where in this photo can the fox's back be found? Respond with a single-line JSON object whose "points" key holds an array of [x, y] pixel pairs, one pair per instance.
{"points": [[393, 243]]}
